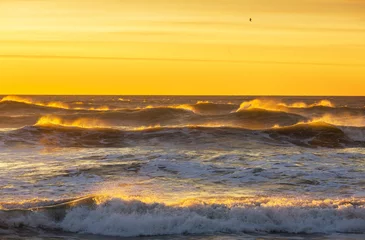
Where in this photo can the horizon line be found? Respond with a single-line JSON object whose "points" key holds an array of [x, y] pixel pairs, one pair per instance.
{"points": [[180, 95]]}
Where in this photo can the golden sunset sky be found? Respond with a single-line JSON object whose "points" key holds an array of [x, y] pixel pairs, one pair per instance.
{"points": [[292, 47]]}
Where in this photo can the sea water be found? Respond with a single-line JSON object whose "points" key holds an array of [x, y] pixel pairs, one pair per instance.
{"points": [[182, 167]]}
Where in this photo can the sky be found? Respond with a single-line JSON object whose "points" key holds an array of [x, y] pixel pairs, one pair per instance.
{"points": [[185, 47]]}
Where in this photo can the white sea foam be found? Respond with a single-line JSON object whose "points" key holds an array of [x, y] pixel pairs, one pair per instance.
{"points": [[44, 165], [356, 134], [117, 217]]}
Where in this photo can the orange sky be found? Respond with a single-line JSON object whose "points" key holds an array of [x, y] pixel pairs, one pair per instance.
{"points": [[292, 47]]}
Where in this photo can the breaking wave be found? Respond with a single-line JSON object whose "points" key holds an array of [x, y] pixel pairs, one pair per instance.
{"points": [[280, 106], [114, 216], [79, 122]]}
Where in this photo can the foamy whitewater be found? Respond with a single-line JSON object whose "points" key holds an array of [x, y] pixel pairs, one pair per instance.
{"points": [[169, 167]]}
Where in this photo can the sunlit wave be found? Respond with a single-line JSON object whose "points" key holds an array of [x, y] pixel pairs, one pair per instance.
{"points": [[261, 104], [80, 123], [273, 105], [53, 104], [124, 100], [104, 196], [341, 120], [186, 107], [201, 107], [142, 128], [31, 101], [322, 103], [336, 120], [119, 215]]}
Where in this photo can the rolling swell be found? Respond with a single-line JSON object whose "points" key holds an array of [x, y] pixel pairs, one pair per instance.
{"points": [[56, 124], [19, 114], [255, 114], [263, 119], [208, 108], [167, 117], [312, 134], [27, 107], [306, 135], [17, 121], [126, 118], [12, 107], [108, 137], [317, 111], [127, 218], [323, 110]]}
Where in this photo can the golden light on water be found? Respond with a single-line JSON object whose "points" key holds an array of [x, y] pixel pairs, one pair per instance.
{"points": [[274, 105], [37, 103], [54, 104], [297, 47], [80, 123], [244, 202], [344, 119]]}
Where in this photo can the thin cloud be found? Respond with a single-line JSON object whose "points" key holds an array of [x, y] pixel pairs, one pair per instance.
{"points": [[178, 60]]}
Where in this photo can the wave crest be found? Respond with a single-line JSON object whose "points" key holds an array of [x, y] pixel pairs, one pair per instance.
{"points": [[26, 100], [342, 120], [209, 108], [52, 104], [80, 122], [280, 106], [203, 108]]}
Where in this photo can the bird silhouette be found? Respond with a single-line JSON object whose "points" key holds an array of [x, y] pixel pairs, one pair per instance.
{"points": [[250, 19]]}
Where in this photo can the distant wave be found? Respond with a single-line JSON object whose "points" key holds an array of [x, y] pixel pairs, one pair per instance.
{"points": [[207, 108], [16, 102], [128, 118], [165, 116], [200, 107], [323, 110], [114, 216], [269, 104], [255, 114], [16, 108], [17, 99]]}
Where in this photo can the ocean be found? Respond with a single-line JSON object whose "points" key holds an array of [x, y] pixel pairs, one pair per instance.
{"points": [[182, 167]]}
